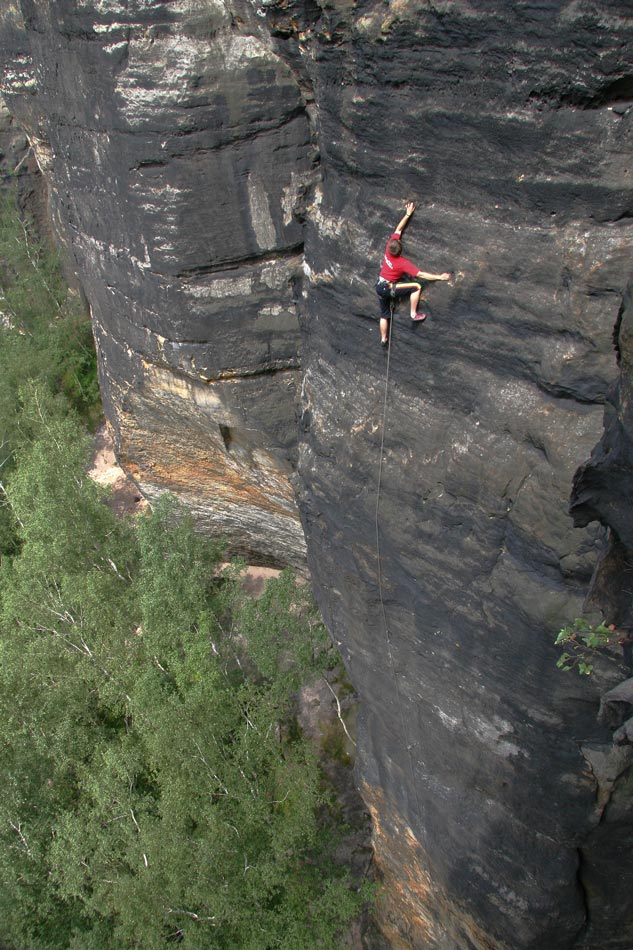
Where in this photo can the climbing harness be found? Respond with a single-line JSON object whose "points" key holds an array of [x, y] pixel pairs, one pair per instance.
{"points": [[403, 727]]}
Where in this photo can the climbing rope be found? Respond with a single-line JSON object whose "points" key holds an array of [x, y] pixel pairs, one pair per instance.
{"points": [[382, 449], [379, 563]]}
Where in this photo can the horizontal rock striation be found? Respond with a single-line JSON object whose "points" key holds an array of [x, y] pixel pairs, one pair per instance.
{"points": [[182, 143]]}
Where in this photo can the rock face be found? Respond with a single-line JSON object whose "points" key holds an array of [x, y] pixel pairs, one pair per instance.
{"points": [[603, 487], [226, 177], [178, 148]]}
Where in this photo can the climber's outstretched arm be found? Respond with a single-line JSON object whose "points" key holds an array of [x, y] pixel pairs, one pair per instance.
{"points": [[405, 220], [423, 274]]}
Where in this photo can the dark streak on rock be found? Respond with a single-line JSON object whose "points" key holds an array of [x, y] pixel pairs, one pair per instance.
{"points": [[226, 266]]}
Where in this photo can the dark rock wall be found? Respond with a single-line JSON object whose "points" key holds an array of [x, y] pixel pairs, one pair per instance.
{"points": [[226, 177], [178, 149], [497, 798], [603, 489]]}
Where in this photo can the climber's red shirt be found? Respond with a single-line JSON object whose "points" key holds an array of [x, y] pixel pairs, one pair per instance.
{"points": [[393, 268]]}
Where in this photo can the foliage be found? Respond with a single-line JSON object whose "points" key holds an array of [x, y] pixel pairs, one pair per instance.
{"points": [[583, 639], [45, 336], [152, 789], [334, 746], [62, 601], [285, 634]]}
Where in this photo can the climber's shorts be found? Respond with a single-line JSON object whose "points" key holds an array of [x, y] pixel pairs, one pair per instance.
{"points": [[388, 292]]}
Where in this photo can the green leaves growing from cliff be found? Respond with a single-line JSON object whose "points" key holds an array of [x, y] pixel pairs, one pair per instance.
{"points": [[154, 786], [581, 640]]}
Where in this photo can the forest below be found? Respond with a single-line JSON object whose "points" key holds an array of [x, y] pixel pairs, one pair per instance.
{"points": [[156, 785]]}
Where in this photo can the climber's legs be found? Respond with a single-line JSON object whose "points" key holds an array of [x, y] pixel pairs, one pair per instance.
{"points": [[388, 293], [416, 290], [384, 291]]}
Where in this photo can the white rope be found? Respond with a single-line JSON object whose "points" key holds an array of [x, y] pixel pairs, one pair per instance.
{"points": [[379, 563], [382, 449]]}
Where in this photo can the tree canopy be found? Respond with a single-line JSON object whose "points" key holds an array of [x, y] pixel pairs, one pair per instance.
{"points": [[154, 786], [45, 337]]}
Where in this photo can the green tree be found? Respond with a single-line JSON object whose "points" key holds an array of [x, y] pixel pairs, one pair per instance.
{"points": [[61, 600], [45, 336], [155, 787]]}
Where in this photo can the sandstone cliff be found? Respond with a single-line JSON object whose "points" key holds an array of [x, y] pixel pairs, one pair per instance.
{"points": [[177, 148], [225, 176]]}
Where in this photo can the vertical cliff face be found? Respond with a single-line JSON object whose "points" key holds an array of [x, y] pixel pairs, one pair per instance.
{"points": [[498, 802], [226, 176], [603, 487], [178, 147]]}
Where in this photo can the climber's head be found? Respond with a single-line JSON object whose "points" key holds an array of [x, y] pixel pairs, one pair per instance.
{"points": [[395, 248]]}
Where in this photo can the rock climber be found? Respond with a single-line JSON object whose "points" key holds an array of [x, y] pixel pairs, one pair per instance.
{"points": [[394, 266]]}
